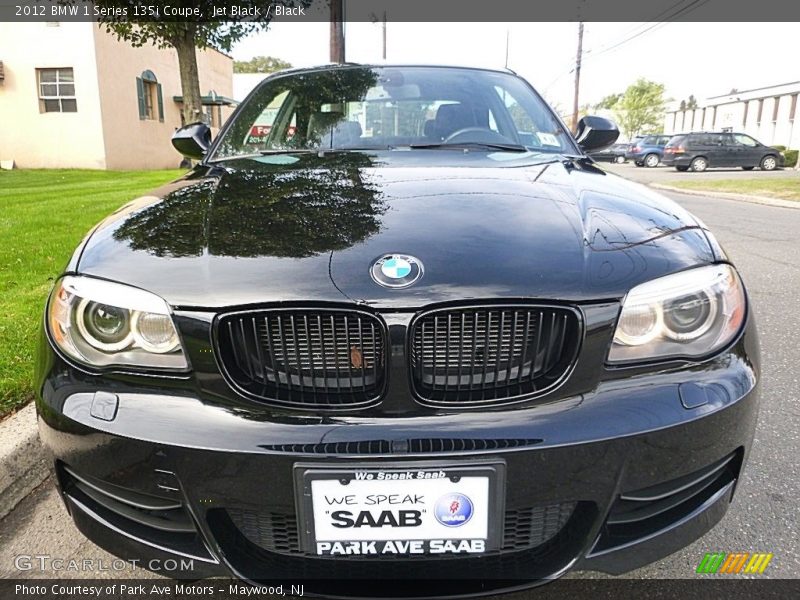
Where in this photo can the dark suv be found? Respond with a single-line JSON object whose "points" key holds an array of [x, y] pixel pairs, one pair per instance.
{"points": [[700, 150]]}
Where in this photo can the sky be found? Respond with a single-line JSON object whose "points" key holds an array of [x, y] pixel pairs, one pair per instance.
{"points": [[702, 59]]}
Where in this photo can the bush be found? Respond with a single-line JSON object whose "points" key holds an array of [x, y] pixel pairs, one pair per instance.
{"points": [[780, 148], [790, 157]]}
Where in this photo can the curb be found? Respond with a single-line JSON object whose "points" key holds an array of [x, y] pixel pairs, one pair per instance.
{"points": [[730, 196], [24, 464]]}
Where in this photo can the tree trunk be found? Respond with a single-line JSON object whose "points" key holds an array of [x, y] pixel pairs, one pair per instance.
{"points": [[190, 82]]}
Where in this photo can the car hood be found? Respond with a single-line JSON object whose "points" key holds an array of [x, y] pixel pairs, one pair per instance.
{"points": [[309, 229]]}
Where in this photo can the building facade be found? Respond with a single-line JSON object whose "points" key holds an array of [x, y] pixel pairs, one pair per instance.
{"points": [[72, 95], [768, 114]]}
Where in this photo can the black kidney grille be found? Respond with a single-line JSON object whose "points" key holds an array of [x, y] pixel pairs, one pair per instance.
{"points": [[484, 354], [333, 358], [523, 529]]}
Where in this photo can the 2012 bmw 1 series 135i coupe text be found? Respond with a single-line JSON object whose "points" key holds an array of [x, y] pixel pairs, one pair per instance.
{"points": [[395, 325]]}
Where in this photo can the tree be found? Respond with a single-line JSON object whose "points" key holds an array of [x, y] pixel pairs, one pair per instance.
{"points": [[185, 34], [609, 101], [639, 109], [260, 64], [691, 103]]}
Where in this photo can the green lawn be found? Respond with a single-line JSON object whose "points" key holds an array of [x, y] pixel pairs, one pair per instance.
{"points": [[786, 188], [43, 216]]}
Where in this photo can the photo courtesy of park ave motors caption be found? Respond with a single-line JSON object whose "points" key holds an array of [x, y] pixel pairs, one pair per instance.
{"points": [[396, 325]]}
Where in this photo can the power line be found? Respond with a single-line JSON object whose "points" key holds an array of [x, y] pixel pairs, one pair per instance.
{"points": [[692, 6], [638, 27]]}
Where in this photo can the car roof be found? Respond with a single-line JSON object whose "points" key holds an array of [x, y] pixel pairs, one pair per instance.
{"points": [[716, 132], [351, 65]]}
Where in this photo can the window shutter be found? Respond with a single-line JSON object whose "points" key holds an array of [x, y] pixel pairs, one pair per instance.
{"points": [[160, 104], [140, 95]]}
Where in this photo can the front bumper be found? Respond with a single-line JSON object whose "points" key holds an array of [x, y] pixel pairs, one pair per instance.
{"points": [[609, 480]]}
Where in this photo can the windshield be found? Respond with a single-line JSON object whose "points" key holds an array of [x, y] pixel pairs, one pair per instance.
{"points": [[361, 108]]}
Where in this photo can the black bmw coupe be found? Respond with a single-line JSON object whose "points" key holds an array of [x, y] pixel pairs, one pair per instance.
{"points": [[396, 325]]}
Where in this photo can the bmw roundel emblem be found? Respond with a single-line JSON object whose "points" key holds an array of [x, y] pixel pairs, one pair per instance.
{"points": [[396, 270], [453, 510]]}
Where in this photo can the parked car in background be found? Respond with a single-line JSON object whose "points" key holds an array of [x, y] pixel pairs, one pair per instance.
{"points": [[614, 154], [647, 151], [635, 140], [701, 150]]}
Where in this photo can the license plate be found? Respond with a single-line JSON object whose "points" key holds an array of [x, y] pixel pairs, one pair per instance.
{"points": [[401, 511]]}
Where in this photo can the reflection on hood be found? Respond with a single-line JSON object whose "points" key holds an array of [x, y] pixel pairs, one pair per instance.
{"points": [[264, 210]]}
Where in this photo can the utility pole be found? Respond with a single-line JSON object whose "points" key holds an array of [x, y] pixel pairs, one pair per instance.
{"points": [[577, 77], [337, 31], [384, 35], [507, 34]]}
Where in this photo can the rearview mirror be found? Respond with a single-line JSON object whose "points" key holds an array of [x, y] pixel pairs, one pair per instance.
{"points": [[193, 140], [596, 133]]}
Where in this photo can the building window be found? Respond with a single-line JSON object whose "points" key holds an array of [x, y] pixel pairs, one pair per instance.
{"points": [[775, 106], [793, 107], [151, 101], [56, 90], [744, 118], [760, 111]]}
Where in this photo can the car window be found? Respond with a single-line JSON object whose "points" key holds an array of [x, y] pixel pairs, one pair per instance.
{"points": [[364, 108], [708, 139], [745, 140], [676, 141], [662, 141], [649, 141], [728, 140]]}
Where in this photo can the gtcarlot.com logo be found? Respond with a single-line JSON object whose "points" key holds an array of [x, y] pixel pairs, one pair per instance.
{"points": [[734, 562], [47, 562]]}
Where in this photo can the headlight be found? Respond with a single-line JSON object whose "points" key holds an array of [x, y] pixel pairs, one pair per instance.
{"points": [[688, 314], [100, 323]]}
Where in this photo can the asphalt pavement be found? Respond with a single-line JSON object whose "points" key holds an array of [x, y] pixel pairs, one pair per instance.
{"points": [[763, 242]]}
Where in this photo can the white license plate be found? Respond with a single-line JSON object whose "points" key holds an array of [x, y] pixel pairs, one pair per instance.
{"points": [[392, 512]]}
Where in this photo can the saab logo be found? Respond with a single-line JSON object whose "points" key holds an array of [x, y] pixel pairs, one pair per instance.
{"points": [[735, 562], [453, 510], [344, 519]]}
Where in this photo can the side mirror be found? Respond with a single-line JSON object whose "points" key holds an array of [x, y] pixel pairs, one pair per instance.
{"points": [[193, 140], [596, 133]]}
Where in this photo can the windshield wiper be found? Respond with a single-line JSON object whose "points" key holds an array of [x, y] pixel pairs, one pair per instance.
{"points": [[286, 151], [468, 145]]}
